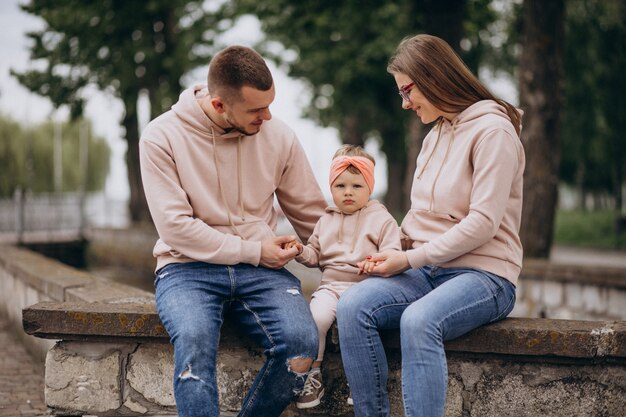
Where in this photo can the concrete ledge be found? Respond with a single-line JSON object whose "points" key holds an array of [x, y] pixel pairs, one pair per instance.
{"points": [[27, 278], [512, 336], [114, 360], [43, 274]]}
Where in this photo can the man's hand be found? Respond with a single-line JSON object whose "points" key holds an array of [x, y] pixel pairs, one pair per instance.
{"points": [[272, 253], [293, 244], [384, 264]]}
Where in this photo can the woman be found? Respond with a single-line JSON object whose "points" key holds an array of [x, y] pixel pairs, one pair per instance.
{"points": [[463, 253]]}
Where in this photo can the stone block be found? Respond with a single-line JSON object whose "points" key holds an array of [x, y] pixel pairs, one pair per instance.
{"points": [[547, 391], [236, 370], [150, 372], [87, 382]]}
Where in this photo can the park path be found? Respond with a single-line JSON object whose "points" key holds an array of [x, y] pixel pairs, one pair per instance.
{"points": [[21, 378]]}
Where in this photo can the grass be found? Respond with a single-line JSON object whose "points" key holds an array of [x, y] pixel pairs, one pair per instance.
{"points": [[591, 229]]}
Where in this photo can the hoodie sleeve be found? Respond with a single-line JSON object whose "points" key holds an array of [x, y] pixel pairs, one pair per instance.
{"points": [[495, 160], [390, 236], [173, 215], [298, 193], [310, 255]]}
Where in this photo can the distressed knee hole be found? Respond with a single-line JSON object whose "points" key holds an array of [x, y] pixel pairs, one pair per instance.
{"points": [[300, 365], [187, 374]]}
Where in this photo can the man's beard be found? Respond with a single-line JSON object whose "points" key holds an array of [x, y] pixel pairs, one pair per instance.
{"points": [[238, 127]]}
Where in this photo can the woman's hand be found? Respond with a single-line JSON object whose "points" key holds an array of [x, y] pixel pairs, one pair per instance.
{"points": [[385, 264]]}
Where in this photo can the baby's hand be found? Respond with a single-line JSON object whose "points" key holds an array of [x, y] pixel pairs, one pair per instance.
{"points": [[366, 266], [292, 244]]}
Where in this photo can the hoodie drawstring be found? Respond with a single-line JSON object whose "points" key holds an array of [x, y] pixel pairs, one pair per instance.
{"points": [[240, 179], [221, 187], [431, 154], [356, 229], [445, 158]]}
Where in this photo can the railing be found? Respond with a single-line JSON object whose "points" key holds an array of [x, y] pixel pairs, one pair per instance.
{"points": [[54, 217]]}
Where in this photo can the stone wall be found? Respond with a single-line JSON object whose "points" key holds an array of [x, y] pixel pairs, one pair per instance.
{"points": [[517, 367], [27, 278], [110, 355]]}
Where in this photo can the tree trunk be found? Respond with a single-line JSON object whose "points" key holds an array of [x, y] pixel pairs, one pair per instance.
{"points": [[137, 205], [396, 198], [352, 130], [417, 133], [541, 70]]}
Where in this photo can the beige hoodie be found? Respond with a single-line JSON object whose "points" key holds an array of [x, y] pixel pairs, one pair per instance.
{"points": [[341, 240], [211, 193], [466, 200]]}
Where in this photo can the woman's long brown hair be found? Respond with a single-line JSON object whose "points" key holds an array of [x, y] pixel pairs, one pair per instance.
{"points": [[442, 76]]}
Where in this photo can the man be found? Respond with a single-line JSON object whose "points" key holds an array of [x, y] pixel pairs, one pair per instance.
{"points": [[211, 167]]}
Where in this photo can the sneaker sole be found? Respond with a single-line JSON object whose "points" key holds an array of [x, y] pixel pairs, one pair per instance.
{"points": [[311, 404]]}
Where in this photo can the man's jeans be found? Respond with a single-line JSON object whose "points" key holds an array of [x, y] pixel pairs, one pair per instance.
{"points": [[429, 305], [267, 304]]}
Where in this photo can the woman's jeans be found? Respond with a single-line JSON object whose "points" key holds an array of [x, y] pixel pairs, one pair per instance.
{"points": [[267, 304], [430, 305]]}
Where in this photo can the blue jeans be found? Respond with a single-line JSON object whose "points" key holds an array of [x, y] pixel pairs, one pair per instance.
{"points": [[192, 299], [429, 305]]}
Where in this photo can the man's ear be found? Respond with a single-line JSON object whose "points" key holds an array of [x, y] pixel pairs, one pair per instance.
{"points": [[217, 104]]}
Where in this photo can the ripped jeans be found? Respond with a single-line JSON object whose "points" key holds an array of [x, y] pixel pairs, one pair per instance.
{"points": [[267, 304]]}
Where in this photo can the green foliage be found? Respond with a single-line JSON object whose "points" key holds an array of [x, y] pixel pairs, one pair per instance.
{"points": [[341, 49], [594, 152], [125, 48], [120, 46], [591, 229], [27, 158]]}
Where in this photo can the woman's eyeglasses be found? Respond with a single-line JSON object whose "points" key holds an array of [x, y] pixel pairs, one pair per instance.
{"points": [[405, 90]]}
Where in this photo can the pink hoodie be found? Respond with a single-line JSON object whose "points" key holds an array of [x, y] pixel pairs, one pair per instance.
{"points": [[211, 193], [341, 240], [466, 200]]}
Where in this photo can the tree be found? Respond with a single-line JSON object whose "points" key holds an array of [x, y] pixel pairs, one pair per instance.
{"points": [[26, 157], [594, 152], [124, 48], [341, 50], [541, 74]]}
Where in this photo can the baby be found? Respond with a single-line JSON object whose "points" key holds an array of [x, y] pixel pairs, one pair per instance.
{"points": [[346, 235]]}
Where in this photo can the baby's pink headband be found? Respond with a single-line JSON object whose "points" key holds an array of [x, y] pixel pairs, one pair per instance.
{"points": [[365, 165]]}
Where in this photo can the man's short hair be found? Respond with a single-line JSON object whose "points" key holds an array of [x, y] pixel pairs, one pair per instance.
{"points": [[235, 67]]}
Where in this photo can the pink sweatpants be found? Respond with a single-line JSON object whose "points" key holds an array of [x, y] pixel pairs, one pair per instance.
{"points": [[324, 309]]}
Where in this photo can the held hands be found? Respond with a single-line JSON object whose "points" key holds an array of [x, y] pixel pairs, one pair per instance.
{"points": [[293, 244], [384, 264], [277, 251]]}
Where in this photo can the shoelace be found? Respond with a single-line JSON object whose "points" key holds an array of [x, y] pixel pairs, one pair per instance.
{"points": [[310, 385]]}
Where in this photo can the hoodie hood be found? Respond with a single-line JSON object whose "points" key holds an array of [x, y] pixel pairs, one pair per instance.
{"points": [[372, 206], [190, 112], [479, 109]]}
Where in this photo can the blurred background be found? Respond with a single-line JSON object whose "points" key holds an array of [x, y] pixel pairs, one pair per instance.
{"points": [[80, 80]]}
